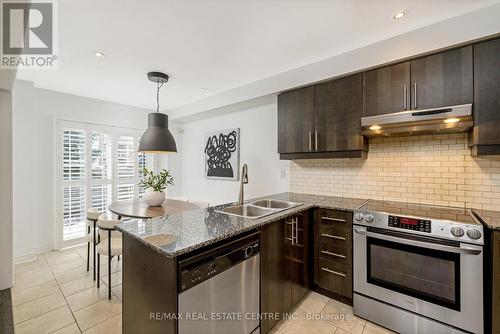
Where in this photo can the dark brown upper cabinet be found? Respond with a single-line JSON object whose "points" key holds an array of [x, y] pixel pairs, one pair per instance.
{"points": [[386, 89], [338, 105], [439, 80], [485, 138], [443, 79], [296, 120], [322, 121]]}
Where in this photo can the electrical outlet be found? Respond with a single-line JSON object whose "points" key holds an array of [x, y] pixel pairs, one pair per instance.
{"points": [[283, 173]]}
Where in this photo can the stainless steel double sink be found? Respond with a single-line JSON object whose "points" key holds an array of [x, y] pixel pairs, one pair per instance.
{"points": [[259, 208]]}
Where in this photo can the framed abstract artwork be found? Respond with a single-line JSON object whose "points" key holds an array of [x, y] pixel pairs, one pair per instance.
{"points": [[222, 154]]}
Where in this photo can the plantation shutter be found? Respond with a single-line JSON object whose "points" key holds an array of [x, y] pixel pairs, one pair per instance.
{"points": [[125, 166], [73, 212], [143, 161], [125, 191], [73, 155], [73, 175], [101, 180], [125, 154], [96, 165], [101, 156], [101, 197]]}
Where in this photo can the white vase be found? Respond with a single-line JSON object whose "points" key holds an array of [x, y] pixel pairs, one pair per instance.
{"points": [[154, 198]]}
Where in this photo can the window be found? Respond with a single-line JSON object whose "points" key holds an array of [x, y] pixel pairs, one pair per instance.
{"points": [[97, 165]]}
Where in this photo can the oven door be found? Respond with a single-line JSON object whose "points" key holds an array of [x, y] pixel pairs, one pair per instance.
{"points": [[439, 279]]}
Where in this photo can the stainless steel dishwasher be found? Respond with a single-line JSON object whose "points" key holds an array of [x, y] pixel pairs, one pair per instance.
{"points": [[220, 289]]}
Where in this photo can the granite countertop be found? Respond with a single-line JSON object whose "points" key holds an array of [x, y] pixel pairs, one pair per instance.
{"points": [[490, 219], [198, 228]]}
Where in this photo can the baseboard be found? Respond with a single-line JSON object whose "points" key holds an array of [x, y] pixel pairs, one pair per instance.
{"points": [[32, 255]]}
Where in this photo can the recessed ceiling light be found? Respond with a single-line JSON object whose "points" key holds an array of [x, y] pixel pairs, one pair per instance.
{"points": [[99, 54], [375, 127], [452, 120], [202, 90], [399, 14]]}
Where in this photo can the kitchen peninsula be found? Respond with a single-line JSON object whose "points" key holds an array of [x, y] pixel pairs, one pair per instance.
{"points": [[154, 250]]}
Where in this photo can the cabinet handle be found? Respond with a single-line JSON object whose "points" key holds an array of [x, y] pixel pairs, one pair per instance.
{"points": [[404, 97], [316, 139], [416, 96], [296, 228], [310, 141], [334, 219], [333, 254], [408, 99], [333, 272], [332, 236]]}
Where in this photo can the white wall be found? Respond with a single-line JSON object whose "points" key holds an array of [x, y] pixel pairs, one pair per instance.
{"points": [[6, 266], [258, 149], [173, 161], [34, 114]]}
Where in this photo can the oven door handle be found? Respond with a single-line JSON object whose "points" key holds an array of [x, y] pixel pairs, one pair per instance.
{"points": [[461, 250]]}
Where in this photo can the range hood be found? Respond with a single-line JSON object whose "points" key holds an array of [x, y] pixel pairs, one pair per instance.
{"points": [[423, 121]]}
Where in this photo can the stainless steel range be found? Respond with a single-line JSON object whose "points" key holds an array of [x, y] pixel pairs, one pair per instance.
{"points": [[418, 268]]}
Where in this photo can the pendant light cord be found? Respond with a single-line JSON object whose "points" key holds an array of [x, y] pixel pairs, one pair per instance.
{"points": [[158, 87]]}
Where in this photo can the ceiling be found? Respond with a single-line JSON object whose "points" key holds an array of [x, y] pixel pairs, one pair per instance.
{"points": [[215, 44]]}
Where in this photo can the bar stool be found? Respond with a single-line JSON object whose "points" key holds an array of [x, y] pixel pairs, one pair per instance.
{"points": [[110, 244], [92, 218]]}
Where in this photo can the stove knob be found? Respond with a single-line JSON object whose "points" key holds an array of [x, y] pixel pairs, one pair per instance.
{"points": [[358, 216], [457, 231], [474, 234], [369, 218]]}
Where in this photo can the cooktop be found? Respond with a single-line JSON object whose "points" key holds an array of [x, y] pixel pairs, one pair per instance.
{"points": [[455, 214], [437, 221]]}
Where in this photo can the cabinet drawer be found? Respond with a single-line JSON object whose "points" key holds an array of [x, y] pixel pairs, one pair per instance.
{"points": [[340, 219], [335, 240], [335, 233], [332, 251], [335, 277]]}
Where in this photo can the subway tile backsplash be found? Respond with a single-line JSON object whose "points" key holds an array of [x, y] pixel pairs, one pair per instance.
{"points": [[435, 169]]}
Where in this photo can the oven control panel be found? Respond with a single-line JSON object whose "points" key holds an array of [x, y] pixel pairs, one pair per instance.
{"points": [[414, 224]]}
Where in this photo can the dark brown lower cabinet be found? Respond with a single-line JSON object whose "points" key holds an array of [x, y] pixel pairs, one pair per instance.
{"points": [[149, 287], [333, 253], [285, 266], [275, 293]]}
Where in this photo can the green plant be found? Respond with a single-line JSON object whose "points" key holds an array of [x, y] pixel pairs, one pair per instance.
{"points": [[157, 182]]}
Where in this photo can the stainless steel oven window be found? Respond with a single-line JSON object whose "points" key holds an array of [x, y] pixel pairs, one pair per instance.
{"points": [[428, 274]]}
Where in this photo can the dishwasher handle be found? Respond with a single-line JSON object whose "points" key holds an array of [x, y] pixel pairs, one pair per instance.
{"points": [[213, 264]]}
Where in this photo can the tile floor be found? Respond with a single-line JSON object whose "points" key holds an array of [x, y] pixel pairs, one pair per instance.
{"points": [[56, 294]]}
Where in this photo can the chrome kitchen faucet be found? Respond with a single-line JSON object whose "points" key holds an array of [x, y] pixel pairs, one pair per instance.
{"points": [[244, 180]]}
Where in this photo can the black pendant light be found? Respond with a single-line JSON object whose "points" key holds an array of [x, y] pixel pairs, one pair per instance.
{"points": [[157, 138]]}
